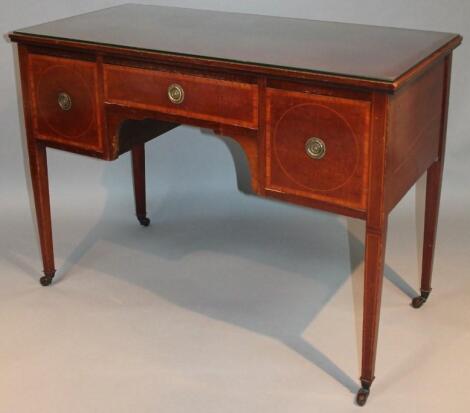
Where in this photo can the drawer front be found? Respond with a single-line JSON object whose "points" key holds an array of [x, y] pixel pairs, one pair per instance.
{"points": [[65, 101], [199, 97], [317, 147]]}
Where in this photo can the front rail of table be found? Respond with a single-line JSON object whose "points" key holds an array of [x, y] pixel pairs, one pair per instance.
{"points": [[349, 145]]}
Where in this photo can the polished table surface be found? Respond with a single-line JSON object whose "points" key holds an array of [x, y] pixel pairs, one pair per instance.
{"points": [[340, 117], [372, 52]]}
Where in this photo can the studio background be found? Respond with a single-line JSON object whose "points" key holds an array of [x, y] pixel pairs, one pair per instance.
{"points": [[226, 302]]}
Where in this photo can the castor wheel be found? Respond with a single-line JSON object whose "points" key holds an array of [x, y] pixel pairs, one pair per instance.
{"points": [[362, 396], [364, 391], [144, 221], [46, 280], [420, 299]]}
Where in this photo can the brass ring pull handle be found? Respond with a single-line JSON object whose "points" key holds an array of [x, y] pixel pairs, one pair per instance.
{"points": [[175, 93], [65, 101], [315, 148]]}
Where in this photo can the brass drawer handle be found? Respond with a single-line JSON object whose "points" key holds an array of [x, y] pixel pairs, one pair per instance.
{"points": [[65, 101], [315, 148], [175, 93]]}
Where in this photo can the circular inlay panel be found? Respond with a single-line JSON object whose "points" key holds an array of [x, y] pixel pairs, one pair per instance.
{"points": [[55, 82], [293, 130]]}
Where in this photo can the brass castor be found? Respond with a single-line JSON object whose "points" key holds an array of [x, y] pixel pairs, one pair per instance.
{"points": [[363, 393], [144, 221], [362, 396], [47, 279], [420, 299]]}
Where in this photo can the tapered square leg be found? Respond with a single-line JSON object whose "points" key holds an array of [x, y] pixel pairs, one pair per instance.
{"points": [[373, 280], [376, 235], [138, 172], [40, 183], [433, 196], [39, 178]]}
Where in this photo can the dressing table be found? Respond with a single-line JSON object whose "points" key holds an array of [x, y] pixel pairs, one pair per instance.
{"points": [[340, 117]]}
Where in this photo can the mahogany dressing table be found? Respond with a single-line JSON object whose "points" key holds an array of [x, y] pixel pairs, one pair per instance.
{"points": [[340, 117]]}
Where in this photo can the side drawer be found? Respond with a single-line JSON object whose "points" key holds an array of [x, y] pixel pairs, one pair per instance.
{"points": [[216, 100], [318, 147], [65, 101]]}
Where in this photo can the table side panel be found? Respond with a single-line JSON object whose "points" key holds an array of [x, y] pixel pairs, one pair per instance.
{"points": [[414, 129]]}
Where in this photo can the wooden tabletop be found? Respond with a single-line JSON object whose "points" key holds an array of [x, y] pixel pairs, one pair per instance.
{"points": [[360, 51]]}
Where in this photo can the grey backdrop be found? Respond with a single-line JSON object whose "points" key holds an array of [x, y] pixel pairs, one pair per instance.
{"points": [[241, 304]]}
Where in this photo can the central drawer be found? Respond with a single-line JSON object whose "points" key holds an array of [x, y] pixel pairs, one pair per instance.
{"points": [[195, 96]]}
